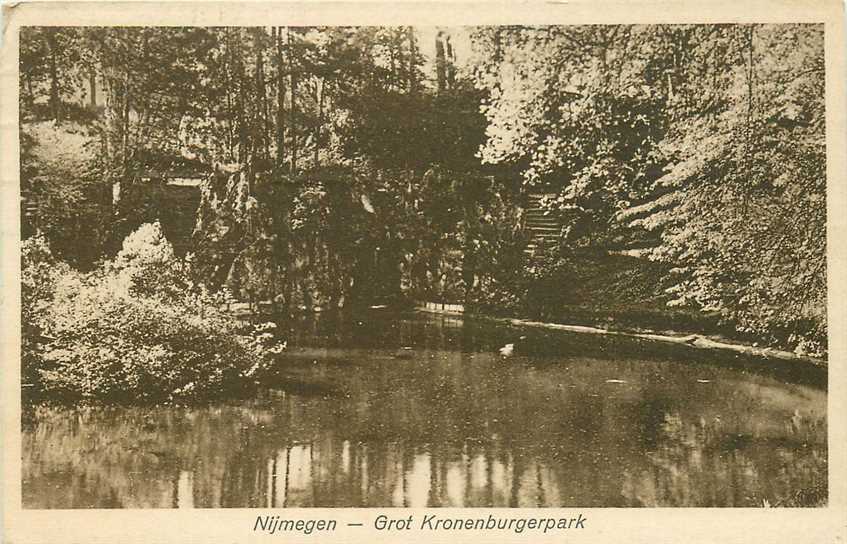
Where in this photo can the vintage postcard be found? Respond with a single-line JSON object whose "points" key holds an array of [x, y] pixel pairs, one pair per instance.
{"points": [[425, 271]]}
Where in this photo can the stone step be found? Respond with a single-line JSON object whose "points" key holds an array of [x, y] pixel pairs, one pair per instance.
{"points": [[534, 252], [546, 242], [542, 218], [535, 197], [543, 227]]}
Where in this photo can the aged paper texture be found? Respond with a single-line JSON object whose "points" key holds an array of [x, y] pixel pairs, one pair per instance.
{"points": [[423, 271]]}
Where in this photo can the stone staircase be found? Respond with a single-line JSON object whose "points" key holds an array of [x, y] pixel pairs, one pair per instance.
{"points": [[544, 230]]}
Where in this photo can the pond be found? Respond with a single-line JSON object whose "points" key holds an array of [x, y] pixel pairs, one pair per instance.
{"points": [[414, 410]]}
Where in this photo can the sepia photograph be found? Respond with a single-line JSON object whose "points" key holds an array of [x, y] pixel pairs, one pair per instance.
{"points": [[423, 272], [423, 266]]}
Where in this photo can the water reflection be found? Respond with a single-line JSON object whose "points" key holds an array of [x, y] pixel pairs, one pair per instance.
{"points": [[455, 425]]}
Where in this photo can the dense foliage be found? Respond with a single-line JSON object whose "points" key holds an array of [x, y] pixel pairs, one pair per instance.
{"points": [[59, 171], [702, 145], [347, 165], [134, 329]]}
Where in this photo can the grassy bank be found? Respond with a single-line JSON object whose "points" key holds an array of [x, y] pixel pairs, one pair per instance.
{"points": [[619, 293]]}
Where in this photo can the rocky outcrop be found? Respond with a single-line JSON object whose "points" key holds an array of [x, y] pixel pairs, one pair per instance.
{"points": [[236, 233], [268, 239]]}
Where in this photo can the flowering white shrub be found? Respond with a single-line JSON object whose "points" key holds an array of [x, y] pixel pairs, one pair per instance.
{"points": [[136, 330]]}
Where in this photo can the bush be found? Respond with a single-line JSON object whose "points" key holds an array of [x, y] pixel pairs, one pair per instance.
{"points": [[61, 177], [39, 273], [146, 266], [138, 330]]}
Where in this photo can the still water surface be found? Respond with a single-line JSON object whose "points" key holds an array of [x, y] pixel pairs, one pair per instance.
{"points": [[353, 419]]}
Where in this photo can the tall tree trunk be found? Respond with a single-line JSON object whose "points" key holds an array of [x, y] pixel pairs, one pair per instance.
{"points": [[280, 100], [114, 130], [293, 109], [30, 96], [319, 100], [55, 98], [92, 85], [140, 103], [125, 125], [393, 61], [115, 79], [450, 56], [241, 102], [262, 108], [440, 62], [230, 136], [412, 82]]}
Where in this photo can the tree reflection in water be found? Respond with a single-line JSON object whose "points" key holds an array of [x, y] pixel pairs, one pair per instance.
{"points": [[454, 426]]}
